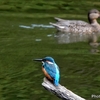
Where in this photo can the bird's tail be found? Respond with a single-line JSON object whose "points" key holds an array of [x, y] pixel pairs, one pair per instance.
{"points": [[57, 26], [56, 82]]}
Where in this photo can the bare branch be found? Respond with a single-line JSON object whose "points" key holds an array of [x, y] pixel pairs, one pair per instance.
{"points": [[60, 91]]}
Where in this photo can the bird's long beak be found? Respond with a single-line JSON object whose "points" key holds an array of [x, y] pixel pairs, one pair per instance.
{"points": [[38, 60]]}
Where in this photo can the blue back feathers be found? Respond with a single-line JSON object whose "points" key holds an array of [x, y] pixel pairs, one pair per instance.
{"points": [[52, 69]]}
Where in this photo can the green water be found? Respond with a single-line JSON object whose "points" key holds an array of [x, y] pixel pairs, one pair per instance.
{"points": [[21, 78]]}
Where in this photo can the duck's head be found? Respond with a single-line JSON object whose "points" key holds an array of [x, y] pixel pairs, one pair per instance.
{"points": [[93, 14]]}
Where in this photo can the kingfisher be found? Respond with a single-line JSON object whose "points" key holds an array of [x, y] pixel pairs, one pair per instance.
{"points": [[50, 69]]}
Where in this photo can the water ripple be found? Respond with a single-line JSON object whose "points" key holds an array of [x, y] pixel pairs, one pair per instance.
{"points": [[32, 26]]}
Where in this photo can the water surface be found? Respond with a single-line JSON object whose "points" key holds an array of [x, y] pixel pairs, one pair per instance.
{"points": [[21, 78]]}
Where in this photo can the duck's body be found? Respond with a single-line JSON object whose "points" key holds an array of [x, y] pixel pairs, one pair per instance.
{"points": [[78, 26], [74, 26]]}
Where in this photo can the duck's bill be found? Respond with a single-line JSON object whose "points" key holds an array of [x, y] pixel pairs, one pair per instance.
{"points": [[38, 59]]}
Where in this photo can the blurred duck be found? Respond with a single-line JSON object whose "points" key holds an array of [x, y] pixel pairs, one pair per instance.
{"points": [[80, 27]]}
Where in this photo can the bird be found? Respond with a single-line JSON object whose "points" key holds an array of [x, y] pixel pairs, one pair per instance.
{"points": [[50, 69], [80, 27]]}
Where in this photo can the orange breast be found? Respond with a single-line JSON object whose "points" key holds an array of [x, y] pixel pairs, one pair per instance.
{"points": [[46, 74]]}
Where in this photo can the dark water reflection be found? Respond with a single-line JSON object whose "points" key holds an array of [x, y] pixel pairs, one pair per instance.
{"points": [[65, 38], [70, 37]]}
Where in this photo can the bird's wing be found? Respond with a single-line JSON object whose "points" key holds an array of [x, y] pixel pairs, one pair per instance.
{"points": [[73, 23], [52, 69]]}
